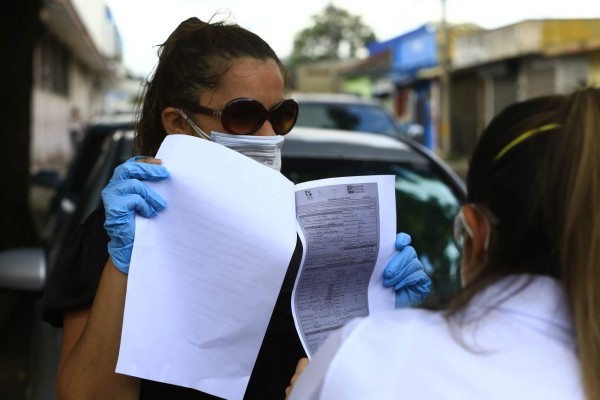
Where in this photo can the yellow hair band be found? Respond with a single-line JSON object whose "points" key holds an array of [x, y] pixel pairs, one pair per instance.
{"points": [[524, 136]]}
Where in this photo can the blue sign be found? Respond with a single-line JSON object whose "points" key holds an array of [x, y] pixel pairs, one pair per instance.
{"points": [[414, 50]]}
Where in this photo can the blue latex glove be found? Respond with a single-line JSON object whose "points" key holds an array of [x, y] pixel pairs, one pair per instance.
{"points": [[125, 195], [405, 273]]}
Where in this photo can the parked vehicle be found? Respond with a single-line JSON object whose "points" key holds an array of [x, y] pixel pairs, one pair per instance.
{"points": [[29, 348], [428, 192], [428, 195], [345, 112], [63, 212]]}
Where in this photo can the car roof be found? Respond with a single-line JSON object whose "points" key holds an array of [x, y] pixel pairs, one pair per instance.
{"points": [[306, 142], [350, 145], [120, 118], [333, 144], [334, 98]]}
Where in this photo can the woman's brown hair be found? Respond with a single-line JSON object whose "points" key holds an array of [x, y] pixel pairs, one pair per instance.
{"points": [[536, 168], [194, 59], [572, 205]]}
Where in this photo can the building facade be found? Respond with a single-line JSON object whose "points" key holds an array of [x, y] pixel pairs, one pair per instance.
{"points": [[486, 71], [74, 64], [493, 68]]}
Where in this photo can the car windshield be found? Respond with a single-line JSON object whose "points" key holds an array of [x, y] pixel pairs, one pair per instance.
{"points": [[346, 116], [425, 208]]}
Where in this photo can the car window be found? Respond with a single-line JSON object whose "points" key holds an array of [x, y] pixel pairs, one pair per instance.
{"points": [[88, 156], [352, 117], [425, 208], [89, 172]]}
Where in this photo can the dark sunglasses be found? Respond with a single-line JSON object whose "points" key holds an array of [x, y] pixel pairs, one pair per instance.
{"points": [[243, 116]]}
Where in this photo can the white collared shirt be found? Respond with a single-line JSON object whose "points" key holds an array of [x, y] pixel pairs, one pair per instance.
{"points": [[519, 348]]}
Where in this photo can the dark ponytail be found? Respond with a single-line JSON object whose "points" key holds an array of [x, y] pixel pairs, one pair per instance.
{"points": [[536, 168]]}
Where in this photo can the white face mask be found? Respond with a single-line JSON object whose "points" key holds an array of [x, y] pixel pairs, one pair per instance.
{"points": [[264, 149]]}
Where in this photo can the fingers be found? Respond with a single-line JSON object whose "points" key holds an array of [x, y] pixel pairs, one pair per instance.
{"points": [[414, 265], [402, 240], [126, 192], [406, 274], [135, 187], [142, 205], [146, 168], [148, 160], [415, 277], [413, 294], [302, 363], [133, 195], [401, 263], [422, 287]]}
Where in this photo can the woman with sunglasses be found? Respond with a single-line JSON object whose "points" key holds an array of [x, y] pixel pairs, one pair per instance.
{"points": [[222, 83], [526, 324]]}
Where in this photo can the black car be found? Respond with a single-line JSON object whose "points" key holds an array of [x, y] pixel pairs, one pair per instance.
{"points": [[428, 195], [65, 210], [428, 192], [346, 112]]}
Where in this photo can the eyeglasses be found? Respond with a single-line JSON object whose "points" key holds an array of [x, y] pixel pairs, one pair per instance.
{"points": [[460, 227], [243, 116]]}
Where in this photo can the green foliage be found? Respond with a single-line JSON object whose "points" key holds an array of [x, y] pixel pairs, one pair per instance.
{"points": [[334, 35]]}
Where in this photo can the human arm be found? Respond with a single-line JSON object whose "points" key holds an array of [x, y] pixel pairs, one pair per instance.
{"points": [[90, 345], [91, 335]]}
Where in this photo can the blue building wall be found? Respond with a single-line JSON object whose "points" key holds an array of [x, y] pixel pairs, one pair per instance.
{"points": [[411, 52], [423, 110], [415, 50]]}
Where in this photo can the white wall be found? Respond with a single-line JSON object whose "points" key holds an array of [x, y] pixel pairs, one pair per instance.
{"points": [[50, 142], [571, 72], [498, 44], [53, 116], [93, 15]]}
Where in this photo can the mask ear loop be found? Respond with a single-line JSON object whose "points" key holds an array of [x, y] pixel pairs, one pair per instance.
{"points": [[490, 220], [199, 132], [488, 232]]}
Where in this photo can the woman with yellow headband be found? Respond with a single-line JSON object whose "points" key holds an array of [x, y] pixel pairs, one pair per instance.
{"points": [[527, 323]]}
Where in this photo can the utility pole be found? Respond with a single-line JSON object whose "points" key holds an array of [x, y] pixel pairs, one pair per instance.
{"points": [[20, 29], [445, 86]]}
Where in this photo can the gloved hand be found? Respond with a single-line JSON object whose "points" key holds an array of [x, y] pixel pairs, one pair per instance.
{"points": [[125, 195], [405, 273]]}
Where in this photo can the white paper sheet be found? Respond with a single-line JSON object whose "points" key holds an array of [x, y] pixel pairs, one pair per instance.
{"points": [[199, 303], [347, 227], [206, 272]]}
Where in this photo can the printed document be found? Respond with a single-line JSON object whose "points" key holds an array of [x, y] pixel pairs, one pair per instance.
{"points": [[206, 272], [348, 231]]}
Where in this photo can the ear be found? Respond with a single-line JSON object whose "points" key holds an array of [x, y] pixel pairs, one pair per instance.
{"points": [[174, 123], [479, 227]]}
